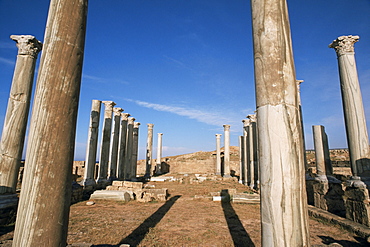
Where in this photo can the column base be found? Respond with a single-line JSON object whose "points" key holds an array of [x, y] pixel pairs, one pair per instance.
{"points": [[102, 183], [88, 182], [218, 173], [226, 176]]}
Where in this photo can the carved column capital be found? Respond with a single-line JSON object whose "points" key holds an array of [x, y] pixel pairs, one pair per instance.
{"points": [[226, 127], [108, 103], [344, 44], [252, 117], [136, 125], [124, 116], [131, 120], [27, 45], [150, 126], [117, 111], [246, 122], [218, 135]]}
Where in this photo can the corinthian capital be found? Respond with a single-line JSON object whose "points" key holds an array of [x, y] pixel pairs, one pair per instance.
{"points": [[344, 44], [27, 45]]}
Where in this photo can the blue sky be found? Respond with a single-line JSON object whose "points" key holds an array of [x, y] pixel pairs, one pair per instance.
{"points": [[187, 65]]}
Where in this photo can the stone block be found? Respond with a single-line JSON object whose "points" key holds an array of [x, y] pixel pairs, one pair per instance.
{"points": [[134, 185], [111, 195], [357, 194], [117, 183], [112, 187], [246, 198]]}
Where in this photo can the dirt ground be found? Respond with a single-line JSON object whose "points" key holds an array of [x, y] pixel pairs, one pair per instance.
{"points": [[188, 218]]}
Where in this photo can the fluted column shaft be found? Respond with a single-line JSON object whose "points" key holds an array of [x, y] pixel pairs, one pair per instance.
{"points": [[135, 149], [283, 195], [323, 163], [122, 146], [129, 146], [218, 154], [43, 211], [241, 160], [105, 144], [112, 175], [92, 144], [15, 123], [149, 151], [226, 151], [354, 115], [246, 124], [159, 154]]}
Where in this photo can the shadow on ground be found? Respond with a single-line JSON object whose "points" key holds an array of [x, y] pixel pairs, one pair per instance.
{"points": [[238, 233], [345, 243]]}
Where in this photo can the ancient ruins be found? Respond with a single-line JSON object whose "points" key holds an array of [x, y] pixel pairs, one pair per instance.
{"points": [[271, 162]]}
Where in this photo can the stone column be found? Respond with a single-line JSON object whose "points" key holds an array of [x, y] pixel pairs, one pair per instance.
{"points": [[135, 149], [92, 145], [43, 212], [323, 164], [283, 197], [149, 151], [241, 160], [129, 145], [112, 175], [301, 119], [354, 115], [226, 151], [105, 144], [246, 124], [252, 150], [218, 154], [159, 154], [122, 146], [15, 123]]}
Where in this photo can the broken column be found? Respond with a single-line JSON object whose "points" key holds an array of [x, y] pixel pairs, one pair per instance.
{"points": [[129, 146], [92, 144], [15, 123], [149, 151], [356, 194], [105, 144], [354, 115], [323, 162], [122, 146], [43, 211], [218, 154], [159, 154], [283, 197], [112, 174], [226, 151], [135, 149]]}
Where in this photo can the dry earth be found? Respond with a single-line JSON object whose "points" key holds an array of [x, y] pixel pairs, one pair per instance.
{"points": [[188, 218]]}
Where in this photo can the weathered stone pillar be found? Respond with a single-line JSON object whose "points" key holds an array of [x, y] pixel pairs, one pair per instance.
{"points": [[129, 146], [226, 151], [159, 154], [323, 163], [92, 145], [354, 115], [149, 151], [246, 123], [301, 119], [15, 123], [105, 144], [43, 211], [122, 146], [135, 149], [252, 150], [218, 154], [241, 160], [280, 144], [112, 175]]}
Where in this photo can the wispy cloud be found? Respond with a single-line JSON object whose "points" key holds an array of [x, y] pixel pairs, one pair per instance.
{"points": [[104, 80], [177, 62], [208, 117], [7, 61]]}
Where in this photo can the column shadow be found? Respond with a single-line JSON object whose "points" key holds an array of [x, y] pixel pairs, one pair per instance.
{"points": [[237, 231], [139, 233]]}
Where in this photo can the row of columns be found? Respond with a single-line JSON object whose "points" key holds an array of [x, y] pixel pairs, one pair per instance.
{"points": [[119, 146]]}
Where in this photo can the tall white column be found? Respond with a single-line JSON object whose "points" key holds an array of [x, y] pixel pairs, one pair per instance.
{"points": [[226, 151], [246, 124], [105, 144], [43, 211], [129, 146], [15, 123], [218, 154], [241, 160], [159, 154], [354, 115], [299, 82], [323, 164], [149, 151], [135, 149], [112, 170], [122, 146], [252, 145], [284, 214], [92, 145]]}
